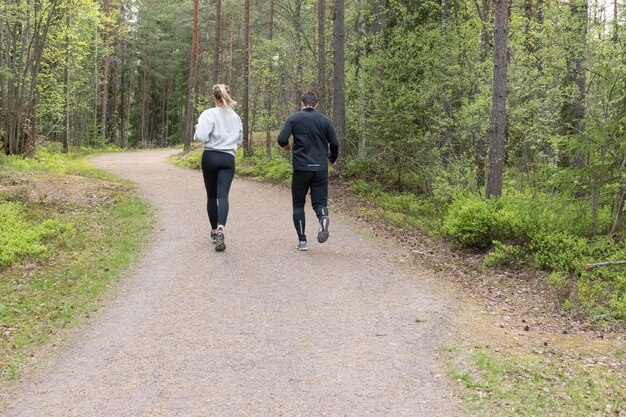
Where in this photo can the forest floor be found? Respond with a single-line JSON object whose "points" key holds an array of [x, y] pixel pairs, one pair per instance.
{"points": [[358, 326]]}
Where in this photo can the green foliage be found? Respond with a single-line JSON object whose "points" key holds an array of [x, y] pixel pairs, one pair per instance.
{"points": [[50, 159], [55, 263], [472, 221], [21, 238], [276, 169], [192, 159], [405, 210], [506, 255], [558, 251], [365, 189], [537, 384], [602, 291]]}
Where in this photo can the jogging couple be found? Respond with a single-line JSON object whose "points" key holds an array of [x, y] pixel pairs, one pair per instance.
{"points": [[221, 131]]}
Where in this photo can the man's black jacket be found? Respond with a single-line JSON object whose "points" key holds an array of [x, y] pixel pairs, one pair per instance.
{"points": [[313, 134]]}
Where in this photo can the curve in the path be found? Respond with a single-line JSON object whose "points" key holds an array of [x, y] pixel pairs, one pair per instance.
{"points": [[259, 330]]}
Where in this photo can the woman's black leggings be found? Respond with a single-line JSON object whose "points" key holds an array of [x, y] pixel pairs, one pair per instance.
{"points": [[218, 170]]}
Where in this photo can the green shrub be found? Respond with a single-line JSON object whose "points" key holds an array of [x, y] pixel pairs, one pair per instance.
{"points": [[20, 238], [558, 251], [506, 255], [366, 189], [193, 159], [471, 221], [602, 293], [279, 171], [362, 168], [274, 169]]}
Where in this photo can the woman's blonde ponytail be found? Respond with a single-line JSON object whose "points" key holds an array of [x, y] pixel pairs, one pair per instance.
{"points": [[221, 94]]}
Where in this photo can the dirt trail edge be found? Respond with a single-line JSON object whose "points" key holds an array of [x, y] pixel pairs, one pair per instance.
{"points": [[259, 330]]}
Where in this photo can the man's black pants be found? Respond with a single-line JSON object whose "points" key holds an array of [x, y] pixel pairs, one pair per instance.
{"points": [[301, 182]]}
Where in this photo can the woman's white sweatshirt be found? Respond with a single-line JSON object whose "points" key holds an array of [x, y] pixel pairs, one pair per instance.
{"points": [[220, 129]]}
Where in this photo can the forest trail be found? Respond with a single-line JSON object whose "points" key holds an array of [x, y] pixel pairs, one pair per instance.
{"points": [[259, 330]]}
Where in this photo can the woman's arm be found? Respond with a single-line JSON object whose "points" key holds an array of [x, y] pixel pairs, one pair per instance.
{"points": [[204, 128]]}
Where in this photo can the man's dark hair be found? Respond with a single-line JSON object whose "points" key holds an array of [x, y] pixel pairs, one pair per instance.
{"points": [[309, 99]]}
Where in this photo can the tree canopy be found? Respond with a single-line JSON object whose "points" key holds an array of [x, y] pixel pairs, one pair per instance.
{"points": [[418, 80]]}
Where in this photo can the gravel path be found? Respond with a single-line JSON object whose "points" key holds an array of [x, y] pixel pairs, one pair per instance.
{"points": [[259, 330]]}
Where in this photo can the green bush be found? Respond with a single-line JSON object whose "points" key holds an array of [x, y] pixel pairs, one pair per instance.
{"points": [[20, 238], [557, 251], [602, 293], [506, 255], [192, 159], [274, 169], [471, 221], [366, 189], [362, 168], [279, 171]]}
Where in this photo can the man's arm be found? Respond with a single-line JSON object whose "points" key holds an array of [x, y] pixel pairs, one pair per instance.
{"points": [[285, 133], [331, 137]]}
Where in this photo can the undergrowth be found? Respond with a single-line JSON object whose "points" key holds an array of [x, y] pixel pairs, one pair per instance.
{"points": [[56, 263], [544, 382]]}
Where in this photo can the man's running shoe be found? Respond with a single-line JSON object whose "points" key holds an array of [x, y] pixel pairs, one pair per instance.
{"points": [[302, 246], [322, 235], [213, 237], [220, 246]]}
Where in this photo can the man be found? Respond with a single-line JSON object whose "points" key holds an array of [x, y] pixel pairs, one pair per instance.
{"points": [[313, 135]]}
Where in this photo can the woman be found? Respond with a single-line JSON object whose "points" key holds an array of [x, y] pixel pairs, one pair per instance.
{"points": [[221, 131]]}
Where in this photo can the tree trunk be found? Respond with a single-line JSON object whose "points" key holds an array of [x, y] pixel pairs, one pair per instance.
{"points": [[580, 13], [339, 101], [478, 139], [230, 79], [143, 103], [191, 84], [498, 107], [361, 80], [216, 51], [66, 79], [298, 45], [321, 54], [25, 43], [269, 90], [105, 70], [378, 12], [124, 98], [573, 113], [247, 146], [620, 201], [114, 131]]}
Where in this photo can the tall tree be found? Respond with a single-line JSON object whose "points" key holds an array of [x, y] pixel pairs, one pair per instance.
{"points": [[498, 105], [247, 146], [216, 50], [478, 141], [339, 97], [191, 84], [104, 101], [66, 77], [579, 11], [321, 54], [269, 142], [299, 49], [27, 26]]}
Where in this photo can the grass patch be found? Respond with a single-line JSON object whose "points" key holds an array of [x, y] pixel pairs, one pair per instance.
{"points": [[541, 383], [404, 210], [45, 292], [276, 169], [20, 238]]}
